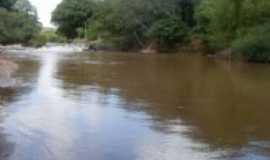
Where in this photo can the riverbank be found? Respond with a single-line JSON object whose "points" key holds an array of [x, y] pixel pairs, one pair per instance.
{"points": [[193, 47]]}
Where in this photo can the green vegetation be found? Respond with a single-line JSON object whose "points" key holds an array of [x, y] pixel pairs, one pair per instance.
{"points": [[71, 15], [127, 24], [45, 36], [38, 40], [18, 23], [167, 32], [242, 26]]}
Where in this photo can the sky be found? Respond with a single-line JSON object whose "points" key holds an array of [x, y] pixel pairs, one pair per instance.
{"points": [[45, 9]]}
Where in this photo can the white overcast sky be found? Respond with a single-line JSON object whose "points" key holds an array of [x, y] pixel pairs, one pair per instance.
{"points": [[45, 8]]}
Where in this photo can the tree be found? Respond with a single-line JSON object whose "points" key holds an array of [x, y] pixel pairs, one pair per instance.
{"points": [[128, 22], [7, 4], [242, 25], [18, 23], [168, 32], [70, 15], [187, 8], [26, 7]]}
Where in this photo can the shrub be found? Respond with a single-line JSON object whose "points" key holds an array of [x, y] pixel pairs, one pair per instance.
{"points": [[168, 32], [38, 41], [53, 37], [254, 45], [17, 27]]}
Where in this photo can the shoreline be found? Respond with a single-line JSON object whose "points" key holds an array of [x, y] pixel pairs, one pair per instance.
{"points": [[197, 48]]}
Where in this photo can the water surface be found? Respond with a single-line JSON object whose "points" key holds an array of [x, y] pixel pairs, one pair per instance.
{"points": [[73, 105]]}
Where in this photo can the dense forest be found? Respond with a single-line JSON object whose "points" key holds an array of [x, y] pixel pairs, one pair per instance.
{"points": [[18, 22], [240, 27]]}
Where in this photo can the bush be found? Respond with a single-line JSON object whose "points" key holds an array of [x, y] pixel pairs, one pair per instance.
{"points": [[168, 32], [94, 30], [38, 41], [53, 37], [71, 15], [46, 36], [17, 27], [254, 45]]}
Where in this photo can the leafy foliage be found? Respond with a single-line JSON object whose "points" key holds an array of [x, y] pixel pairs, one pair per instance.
{"points": [[238, 24], [125, 23], [18, 23], [52, 36], [71, 15], [167, 32], [45, 36], [224, 19], [16, 27], [254, 45], [7, 4]]}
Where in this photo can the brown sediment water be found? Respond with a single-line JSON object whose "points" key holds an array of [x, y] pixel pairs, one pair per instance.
{"points": [[118, 106]]}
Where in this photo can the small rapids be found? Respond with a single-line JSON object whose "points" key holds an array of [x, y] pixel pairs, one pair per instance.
{"points": [[8, 67]]}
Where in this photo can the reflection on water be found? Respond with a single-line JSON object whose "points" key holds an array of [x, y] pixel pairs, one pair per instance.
{"points": [[138, 107]]}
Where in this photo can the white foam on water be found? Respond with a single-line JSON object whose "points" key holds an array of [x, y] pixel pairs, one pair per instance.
{"points": [[49, 48], [6, 71], [64, 48]]}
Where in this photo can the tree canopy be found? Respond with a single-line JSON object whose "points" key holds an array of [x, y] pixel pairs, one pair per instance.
{"points": [[240, 25], [71, 15], [243, 25], [18, 23], [127, 23], [7, 4]]}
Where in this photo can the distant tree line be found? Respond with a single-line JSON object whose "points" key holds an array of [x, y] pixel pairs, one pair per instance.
{"points": [[241, 26], [18, 21]]}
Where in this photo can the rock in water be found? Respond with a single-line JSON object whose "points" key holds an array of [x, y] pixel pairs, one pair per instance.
{"points": [[7, 68]]}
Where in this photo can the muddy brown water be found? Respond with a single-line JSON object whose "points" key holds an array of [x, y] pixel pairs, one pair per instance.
{"points": [[72, 105]]}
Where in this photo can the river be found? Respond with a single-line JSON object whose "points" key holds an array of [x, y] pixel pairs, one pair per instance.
{"points": [[72, 105]]}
